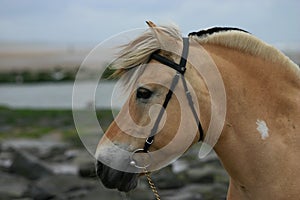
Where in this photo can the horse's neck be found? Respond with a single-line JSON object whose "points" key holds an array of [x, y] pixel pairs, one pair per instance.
{"points": [[257, 89], [258, 94]]}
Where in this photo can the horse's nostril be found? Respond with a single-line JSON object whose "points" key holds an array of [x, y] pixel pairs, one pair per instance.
{"points": [[99, 167], [112, 178]]}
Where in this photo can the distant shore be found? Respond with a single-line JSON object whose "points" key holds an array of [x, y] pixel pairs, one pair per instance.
{"points": [[45, 62], [40, 62], [45, 57]]}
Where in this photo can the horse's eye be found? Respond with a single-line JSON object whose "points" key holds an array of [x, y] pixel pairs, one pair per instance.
{"points": [[143, 93]]}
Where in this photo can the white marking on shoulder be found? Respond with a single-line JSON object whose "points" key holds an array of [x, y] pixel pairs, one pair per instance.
{"points": [[262, 129]]}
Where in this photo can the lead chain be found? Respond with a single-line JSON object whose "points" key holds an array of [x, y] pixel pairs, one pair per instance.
{"points": [[151, 184]]}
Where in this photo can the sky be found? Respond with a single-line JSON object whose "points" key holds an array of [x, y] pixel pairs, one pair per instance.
{"points": [[92, 21]]}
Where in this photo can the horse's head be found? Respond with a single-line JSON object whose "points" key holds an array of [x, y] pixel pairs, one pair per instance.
{"points": [[122, 153]]}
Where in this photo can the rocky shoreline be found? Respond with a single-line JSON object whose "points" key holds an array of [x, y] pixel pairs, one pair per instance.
{"points": [[47, 168]]}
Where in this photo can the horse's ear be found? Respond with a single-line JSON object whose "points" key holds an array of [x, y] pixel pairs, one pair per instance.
{"points": [[166, 41], [151, 24], [160, 35]]}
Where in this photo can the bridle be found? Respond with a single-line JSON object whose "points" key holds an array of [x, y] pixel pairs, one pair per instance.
{"points": [[180, 70]]}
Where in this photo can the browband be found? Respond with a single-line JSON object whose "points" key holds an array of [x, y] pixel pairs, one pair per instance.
{"points": [[178, 67]]}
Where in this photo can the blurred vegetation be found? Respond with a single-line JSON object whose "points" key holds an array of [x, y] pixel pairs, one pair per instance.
{"points": [[32, 76], [56, 75], [30, 123]]}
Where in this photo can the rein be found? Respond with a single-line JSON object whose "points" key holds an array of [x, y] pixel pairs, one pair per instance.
{"points": [[180, 70]]}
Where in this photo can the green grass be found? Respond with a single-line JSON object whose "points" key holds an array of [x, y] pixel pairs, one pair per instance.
{"points": [[30, 123], [46, 76], [36, 77]]}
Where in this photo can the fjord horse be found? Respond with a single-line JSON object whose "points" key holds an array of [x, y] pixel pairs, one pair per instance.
{"points": [[259, 145]]}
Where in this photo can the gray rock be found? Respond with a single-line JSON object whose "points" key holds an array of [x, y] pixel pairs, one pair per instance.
{"points": [[101, 193], [12, 186], [61, 187], [29, 166], [87, 170], [6, 161], [39, 148], [211, 158], [85, 162], [64, 168], [206, 174], [213, 191], [141, 193], [205, 191], [82, 156], [190, 178], [25, 198], [183, 196], [166, 179], [180, 165]]}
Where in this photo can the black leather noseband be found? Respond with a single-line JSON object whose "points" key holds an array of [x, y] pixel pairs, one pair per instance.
{"points": [[180, 68]]}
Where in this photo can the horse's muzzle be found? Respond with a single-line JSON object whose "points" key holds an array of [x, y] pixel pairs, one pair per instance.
{"points": [[114, 179]]}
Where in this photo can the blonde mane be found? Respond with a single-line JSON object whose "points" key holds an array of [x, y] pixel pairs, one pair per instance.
{"points": [[134, 55], [247, 43], [138, 51], [131, 59]]}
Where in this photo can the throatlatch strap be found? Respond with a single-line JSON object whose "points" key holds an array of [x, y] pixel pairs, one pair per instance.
{"points": [[191, 104]]}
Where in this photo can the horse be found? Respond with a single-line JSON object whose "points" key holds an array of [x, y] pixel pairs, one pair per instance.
{"points": [[259, 141]]}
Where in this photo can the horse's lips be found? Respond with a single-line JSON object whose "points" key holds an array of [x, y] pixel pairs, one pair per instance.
{"points": [[114, 179]]}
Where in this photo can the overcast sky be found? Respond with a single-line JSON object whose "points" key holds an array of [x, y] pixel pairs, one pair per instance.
{"points": [[91, 21]]}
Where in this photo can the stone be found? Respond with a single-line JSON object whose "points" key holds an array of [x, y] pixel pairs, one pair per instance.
{"points": [[39, 148], [6, 161], [166, 179], [86, 163], [140, 193], [12, 186], [82, 156], [64, 168], [184, 196], [181, 194], [206, 174], [29, 166], [206, 191], [101, 193], [211, 158], [71, 175], [61, 187], [180, 165], [87, 170]]}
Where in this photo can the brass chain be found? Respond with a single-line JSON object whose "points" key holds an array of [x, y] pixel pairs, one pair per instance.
{"points": [[152, 185]]}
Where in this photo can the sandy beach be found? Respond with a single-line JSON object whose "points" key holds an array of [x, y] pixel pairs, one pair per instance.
{"points": [[15, 57]]}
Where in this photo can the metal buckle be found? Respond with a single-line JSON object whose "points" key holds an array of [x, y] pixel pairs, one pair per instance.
{"points": [[149, 142], [133, 161], [182, 69]]}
